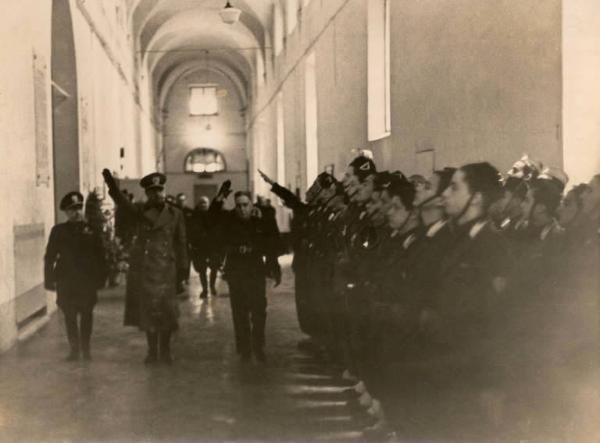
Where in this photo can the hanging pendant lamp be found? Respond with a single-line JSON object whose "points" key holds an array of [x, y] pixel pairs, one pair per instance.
{"points": [[230, 14]]}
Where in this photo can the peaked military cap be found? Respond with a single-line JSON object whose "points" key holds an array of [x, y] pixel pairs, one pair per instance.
{"points": [[556, 175], [383, 180], [154, 180], [445, 176], [403, 188], [363, 166], [325, 179], [71, 200]]}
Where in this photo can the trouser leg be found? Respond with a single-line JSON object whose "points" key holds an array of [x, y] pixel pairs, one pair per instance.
{"points": [[165, 346], [86, 325], [72, 329], [213, 278], [152, 340], [203, 280], [258, 311], [241, 317], [199, 262]]}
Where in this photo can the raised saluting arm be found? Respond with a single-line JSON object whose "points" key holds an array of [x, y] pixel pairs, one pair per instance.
{"points": [[289, 199], [115, 193]]}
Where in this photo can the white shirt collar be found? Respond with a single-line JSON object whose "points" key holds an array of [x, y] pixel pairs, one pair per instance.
{"points": [[409, 240], [435, 228], [507, 221], [547, 230], [476, 228]]}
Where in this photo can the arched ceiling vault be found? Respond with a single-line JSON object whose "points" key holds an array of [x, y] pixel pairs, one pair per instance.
{"points": [[176, 73], [171, 62], [173, 33]]}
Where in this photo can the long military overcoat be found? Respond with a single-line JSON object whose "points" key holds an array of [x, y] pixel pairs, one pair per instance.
{"points": [[158, 253]]}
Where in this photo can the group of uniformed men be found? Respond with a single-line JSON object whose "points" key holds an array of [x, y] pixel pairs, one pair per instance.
{"points": [[158, 263], [462, 306], [464, 303]]}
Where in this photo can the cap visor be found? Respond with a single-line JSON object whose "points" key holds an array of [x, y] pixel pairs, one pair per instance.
{"points": [[74, 206]]}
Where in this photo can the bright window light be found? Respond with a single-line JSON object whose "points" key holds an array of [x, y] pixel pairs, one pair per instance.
{"points": [[203, 100], [204, 160]]}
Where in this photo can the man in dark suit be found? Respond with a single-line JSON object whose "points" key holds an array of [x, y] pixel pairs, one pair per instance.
{"points": [[205, 246], [252, 246], [188, 215], [75, 267], [158, 260]]}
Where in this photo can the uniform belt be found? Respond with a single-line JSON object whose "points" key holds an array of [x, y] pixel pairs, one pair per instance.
{"points": [[244, 249]]}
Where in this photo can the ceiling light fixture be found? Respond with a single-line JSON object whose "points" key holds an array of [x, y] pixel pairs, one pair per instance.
{"points": [[230, 14]]}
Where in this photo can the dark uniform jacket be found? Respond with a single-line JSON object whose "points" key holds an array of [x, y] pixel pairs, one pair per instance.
{"points": [[158, 253], [205, 234], [299, 225], [251, 246], [469, 301], [74, 264]]}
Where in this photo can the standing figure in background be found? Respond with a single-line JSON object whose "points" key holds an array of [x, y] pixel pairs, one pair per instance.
{"points": [[205, 248], [158, 260], [75, 268], [188, 214], [252, 246]]}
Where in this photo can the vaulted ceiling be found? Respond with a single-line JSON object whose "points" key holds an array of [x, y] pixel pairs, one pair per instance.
{"points": [[177, 36]]}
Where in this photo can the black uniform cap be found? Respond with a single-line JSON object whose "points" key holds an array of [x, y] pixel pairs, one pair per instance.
{"points": [[516, 185], [482, 177], [547, 192], [325, 180], [154, 180], [403, 188], [71, 200], [363, 167], [445, 176], [383, 180]]}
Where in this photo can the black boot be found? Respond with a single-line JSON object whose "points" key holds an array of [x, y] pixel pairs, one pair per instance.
{"points": [[165, 347], [152, 357]]}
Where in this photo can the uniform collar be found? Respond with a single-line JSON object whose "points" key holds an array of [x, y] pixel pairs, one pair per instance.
{"points": [[435, 228], [409, 240], [476, 228], [505, 223], [547, 230]]}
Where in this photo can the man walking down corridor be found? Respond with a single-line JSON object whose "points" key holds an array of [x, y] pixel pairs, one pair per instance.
{"points": [[158, 260], [252, 246], [75, 267]]}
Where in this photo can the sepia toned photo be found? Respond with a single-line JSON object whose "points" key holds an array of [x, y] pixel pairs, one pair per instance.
{"points": [[300, 221]]}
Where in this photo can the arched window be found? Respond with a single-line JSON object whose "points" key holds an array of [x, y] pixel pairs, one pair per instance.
{"points": [[204, 161]]}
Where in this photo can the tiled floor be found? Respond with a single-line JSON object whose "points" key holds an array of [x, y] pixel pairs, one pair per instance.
{"points": [[207, 395]]}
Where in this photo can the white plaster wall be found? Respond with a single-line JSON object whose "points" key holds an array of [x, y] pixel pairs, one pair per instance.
{"points": [[472, 79], [581, 89], [112, 118], [25, 28], [114, 112]]}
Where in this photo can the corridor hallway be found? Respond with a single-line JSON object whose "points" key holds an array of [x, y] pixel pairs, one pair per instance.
{"points": [[207, 395]]}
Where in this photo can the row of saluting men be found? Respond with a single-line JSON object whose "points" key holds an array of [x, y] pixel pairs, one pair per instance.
{"points": [[462, 307]]}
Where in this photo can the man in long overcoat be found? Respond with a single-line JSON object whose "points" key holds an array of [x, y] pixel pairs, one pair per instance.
{"points": [[158, 260]]}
